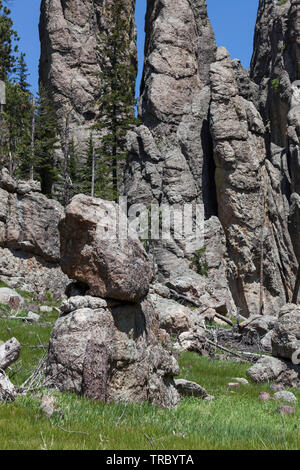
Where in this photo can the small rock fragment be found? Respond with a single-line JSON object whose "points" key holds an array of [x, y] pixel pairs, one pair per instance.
{"points": [[46, 309], [31, 316], [286, 410], [264, 396], [241, 380], [233, 385], [285, 396], [191, 389]]}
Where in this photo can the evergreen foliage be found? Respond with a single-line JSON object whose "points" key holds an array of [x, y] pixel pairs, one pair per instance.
{"points": [[16, 128], [198, 262], [46, 143], [8, 36], [115, 100]]}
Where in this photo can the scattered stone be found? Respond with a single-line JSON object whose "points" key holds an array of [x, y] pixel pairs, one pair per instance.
{"points": [[241, 380], [10, 297], [191, 389], [46, 309], [290, 377], [266, 369], [286, 410], [283, 395], [233, 385], [48, 406], [31, 316], [264, 396], [209, 398]]}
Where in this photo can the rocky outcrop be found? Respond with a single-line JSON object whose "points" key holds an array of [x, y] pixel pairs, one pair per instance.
{"points": [[68, 62], [112, 353], [170, 155], [250, 210], [275, 62], [113, 264], [276, 71], [29, 238]]}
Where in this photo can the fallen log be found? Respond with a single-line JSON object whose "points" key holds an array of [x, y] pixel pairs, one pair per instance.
{"points": [[196, 304], [240, 354], [9, 353]]}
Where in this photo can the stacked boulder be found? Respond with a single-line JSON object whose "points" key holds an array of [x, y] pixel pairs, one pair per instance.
{"points": [[107, 344]]}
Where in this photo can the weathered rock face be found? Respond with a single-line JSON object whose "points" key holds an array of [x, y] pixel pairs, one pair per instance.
{"points": [[275, 62], [93, 253], [249, 205], [29, 238], [68, 63], [170, 156], [112, 354], [275, 69]]}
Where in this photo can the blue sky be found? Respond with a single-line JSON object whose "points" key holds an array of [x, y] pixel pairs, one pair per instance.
{"points": [[233, 22]]}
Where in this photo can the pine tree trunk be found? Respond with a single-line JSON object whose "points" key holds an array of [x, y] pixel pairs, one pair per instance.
{"points": [[32, 140], [93, 174]]}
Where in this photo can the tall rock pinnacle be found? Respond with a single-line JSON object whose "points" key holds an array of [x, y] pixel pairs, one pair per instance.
{"points": [[68, 62]]}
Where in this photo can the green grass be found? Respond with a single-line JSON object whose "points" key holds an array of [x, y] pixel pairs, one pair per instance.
{"points": [[234, 420]]}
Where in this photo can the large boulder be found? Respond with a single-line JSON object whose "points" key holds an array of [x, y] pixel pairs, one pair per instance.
{"points": [[111, 353], [174, 317], [29, 238], [266, 369], [286, 334], [93, 253]]}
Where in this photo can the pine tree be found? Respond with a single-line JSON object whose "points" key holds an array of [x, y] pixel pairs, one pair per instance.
{"points": [[115, 100], [22, 73], [8, 36], [46, 143], [16, 127]]}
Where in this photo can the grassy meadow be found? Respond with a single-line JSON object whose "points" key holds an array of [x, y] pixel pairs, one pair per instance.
{"points": [[234, 420]]}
